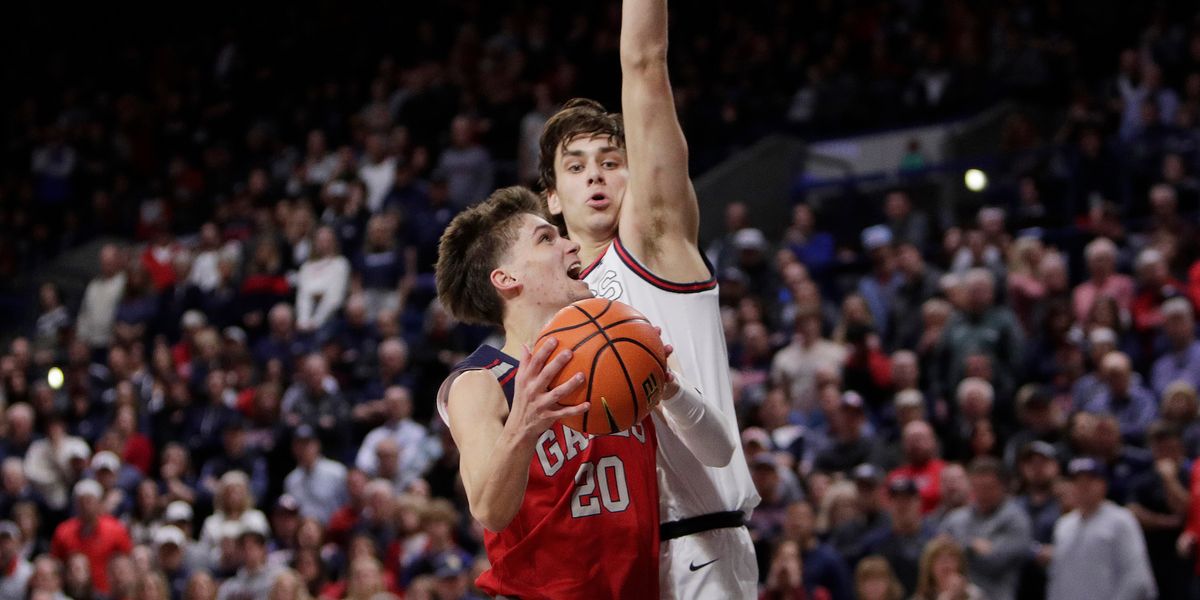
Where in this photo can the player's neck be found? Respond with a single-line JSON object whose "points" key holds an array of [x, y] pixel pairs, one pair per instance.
{"points": [[521, 328], [591, 248]]}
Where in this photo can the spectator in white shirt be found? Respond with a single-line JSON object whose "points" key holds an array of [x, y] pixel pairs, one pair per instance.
{"points": [[99, 308], [322, 282], [317, 483], [414, 449], [378, 171]]}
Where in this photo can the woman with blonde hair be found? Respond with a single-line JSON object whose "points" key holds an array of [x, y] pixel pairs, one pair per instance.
{"points": [[152, 586], [943, 574], [232, 503], [839, 505], [288, 586], [875, 580]]}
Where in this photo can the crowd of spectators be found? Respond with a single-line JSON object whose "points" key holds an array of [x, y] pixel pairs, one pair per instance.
{"points": [[240, 404]]}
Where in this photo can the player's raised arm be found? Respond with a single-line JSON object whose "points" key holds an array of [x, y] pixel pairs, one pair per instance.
{"points": [[495, 444], [660, 217]]}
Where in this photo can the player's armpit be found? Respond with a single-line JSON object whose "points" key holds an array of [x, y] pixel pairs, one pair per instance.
{"points": [[494, 465]]}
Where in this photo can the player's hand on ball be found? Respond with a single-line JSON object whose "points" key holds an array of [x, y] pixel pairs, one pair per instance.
{"points": [[535, 407]]}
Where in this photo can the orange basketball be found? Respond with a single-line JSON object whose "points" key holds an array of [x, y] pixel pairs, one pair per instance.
{"points": [[622, 359]]}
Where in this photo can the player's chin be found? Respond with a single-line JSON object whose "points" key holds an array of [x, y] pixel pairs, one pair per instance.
{"points": [[580, 291]]}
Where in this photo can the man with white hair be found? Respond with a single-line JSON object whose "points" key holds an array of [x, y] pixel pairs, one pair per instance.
{"points": [[1103, 280], [981, 327], [1181, 362], [1123, 397], [415, 449], [92, 533], [94, 324], [1155, 286], [974, 399]]}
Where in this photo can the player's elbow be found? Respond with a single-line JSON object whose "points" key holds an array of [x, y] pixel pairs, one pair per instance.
{"points": [[643, 57], [493, 518], [722, 454]]}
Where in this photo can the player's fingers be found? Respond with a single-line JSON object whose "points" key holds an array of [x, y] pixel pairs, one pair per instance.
{"points": [[565, 389], [669, 350], [570, 411], [537, 360], [550, 370]]}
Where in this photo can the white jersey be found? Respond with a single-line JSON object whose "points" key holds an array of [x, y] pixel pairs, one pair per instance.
{"points": [[690, 318]]}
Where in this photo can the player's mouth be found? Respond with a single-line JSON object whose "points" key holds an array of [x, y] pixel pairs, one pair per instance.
{"points": [[599, 201], [575, 270]]}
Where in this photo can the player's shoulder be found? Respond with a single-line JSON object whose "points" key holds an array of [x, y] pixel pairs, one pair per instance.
{"points": [[474, 382]]}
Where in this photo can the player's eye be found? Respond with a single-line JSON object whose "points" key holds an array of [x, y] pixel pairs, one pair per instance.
{"points": [[545, 238], [610, 164], [575, 168]]}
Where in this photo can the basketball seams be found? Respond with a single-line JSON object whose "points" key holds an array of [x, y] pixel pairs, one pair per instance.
{"points": [[593, 334]]}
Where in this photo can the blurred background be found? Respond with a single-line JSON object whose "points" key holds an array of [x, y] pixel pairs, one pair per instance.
{"points": [[218, 225]]}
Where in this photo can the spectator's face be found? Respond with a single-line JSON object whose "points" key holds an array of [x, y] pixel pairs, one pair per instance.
{"points": [[89, 506], [307, 451], [919, 443], [1179, 328], [9, 546], [170, 557], [766, 481], [1039, 471], [399, 403], [1179, 407], [987, 491], [1090, 491], [1117, 375], [735, 217], [45, 576], [945, 567], [591, 175], [254, 552], [121, 574], [79, 572], [325, 244], [1166, 447], [906, 509], [800, 521], [896, 205], [904, 370], [1101, 264]]}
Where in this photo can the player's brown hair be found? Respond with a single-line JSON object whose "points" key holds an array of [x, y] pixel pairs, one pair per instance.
{"points": [[578, 117], [471, 248]]}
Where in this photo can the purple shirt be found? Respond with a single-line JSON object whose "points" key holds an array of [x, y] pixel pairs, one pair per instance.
{"points": [[1177, 366]]}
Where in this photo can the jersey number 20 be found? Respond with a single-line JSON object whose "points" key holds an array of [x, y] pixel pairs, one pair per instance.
{"points": [[609, 473]]}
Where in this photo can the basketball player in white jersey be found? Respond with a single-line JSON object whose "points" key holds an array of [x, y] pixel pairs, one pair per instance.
{"points": [[622, 191]]}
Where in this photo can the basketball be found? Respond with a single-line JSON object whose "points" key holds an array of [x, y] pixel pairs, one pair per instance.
{"points": [[622, 359]]}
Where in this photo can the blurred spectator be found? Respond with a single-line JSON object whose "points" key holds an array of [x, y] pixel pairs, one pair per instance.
{"points": [[1038, 471], [944, 574], [1159, 502], [1103, 280], [1133, 404], [318, 484], [414, 449], [466, 164], [1181, 362], [902, 541], [17, 570], [921, 464], [321, 283], [874, 579], [94, 324], [255, 576], [97, 536], [1088, 562], [851, 446], [993, 530]]}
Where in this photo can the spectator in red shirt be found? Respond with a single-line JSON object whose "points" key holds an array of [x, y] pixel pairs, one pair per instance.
{"points": [[921, 464], [91, 533], [1156, 285]]}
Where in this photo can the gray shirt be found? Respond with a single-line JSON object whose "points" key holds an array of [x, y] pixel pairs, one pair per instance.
{"points": [[249, 586], [319, 491], [1101, 556], [12, 585], [1008, 530]]}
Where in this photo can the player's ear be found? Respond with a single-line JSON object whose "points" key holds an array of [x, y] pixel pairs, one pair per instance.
{"points": [[504, 282], [552, 202]]}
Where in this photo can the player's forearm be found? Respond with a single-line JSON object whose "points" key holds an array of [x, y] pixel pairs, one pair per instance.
{"points": [[702, 429], [643, 35], [499, 499]]}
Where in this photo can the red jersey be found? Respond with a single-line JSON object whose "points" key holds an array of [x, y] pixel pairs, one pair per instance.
{"points": [[588, 525]]}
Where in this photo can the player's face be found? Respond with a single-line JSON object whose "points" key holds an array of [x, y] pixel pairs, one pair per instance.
{"points": [[590, 176], [545, 264]]}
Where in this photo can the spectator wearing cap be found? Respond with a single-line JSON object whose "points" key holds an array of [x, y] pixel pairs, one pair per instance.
{"points": [[921, 464], [821, 566], [1181, 362], [1103, 280], [317, 483], [993, 529], [982, 327], [849, 537], [1040, 419], [451, 578], [776, 491], [15, 570], [285, 522], [92, 533], [903, 539], [54, 463], [850, 445], [256, 575], [236, 455], [1098, 548], [1124, 397], [179, 514], [107, 470], [1038, 472], [416, 449], [170, 546], [882, 283], [1159, 501]]}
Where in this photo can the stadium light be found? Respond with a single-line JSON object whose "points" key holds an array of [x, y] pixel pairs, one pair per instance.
{"points": [[975, 180], [55, 378]]}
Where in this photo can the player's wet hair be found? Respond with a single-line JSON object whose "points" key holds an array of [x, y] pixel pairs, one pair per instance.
{"points": [[579, 117], [472, 247]]}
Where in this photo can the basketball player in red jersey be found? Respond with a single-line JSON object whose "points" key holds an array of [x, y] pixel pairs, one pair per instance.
{"points": [[620, 187], [567, 515]]}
